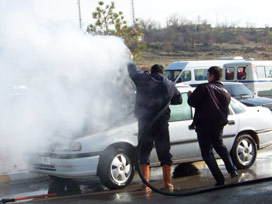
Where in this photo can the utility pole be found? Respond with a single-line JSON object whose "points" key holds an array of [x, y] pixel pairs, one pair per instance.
{"points": [[132, 13], [79, 13]]}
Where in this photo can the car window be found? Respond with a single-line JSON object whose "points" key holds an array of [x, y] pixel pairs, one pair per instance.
{"points": [[230, 111], [185, 76], [229, 73], [172, 74], [182, 111], [236, 107], [260, 72], [200, 74], [241, 73], [268, 71]]}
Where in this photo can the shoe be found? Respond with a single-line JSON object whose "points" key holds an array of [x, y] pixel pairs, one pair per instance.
{"points": [[234, 174]]}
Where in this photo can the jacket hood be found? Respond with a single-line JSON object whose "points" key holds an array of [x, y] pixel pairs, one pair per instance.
{"points": [[157, 77]]}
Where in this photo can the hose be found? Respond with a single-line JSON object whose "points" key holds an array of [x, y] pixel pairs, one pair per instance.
{"points": [[187, 193], [6, 200]]}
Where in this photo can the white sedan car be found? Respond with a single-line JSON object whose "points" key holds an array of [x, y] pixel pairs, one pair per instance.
{"points": [[110, 154]]}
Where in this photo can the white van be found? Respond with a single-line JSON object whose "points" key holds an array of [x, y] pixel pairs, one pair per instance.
{"points": [[256, 75], [194, 72]]}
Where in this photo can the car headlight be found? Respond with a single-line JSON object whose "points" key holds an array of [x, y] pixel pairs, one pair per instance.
{"points": [[75, 146]]}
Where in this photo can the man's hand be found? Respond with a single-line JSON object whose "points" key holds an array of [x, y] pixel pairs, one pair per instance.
{"points": [[130, 54], [189, 93]]}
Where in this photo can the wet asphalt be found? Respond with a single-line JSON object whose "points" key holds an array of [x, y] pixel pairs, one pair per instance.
{"points": [[186, 178]]}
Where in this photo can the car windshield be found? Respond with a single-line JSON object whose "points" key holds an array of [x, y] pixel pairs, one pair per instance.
{"points": [[238, 90], [172, 74]]}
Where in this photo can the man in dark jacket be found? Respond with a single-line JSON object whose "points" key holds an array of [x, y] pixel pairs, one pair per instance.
{"points": [[153, 93], [211, 101]]}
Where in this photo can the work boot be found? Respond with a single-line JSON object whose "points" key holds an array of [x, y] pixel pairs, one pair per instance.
{"points": [[166, 169], [145, 171]]}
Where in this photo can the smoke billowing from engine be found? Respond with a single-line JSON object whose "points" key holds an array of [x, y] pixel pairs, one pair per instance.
{"points": [[56, 81]]}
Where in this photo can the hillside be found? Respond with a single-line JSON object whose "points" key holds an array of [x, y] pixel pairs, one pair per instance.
{"points": [[180, 41], [150, 57]]}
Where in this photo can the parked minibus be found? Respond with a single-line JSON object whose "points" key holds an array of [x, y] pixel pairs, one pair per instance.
{"points": [[256, 75], [194, 72]]}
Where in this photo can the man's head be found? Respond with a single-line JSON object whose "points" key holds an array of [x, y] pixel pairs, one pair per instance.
{"points": [[156, 68], [214, 73]]}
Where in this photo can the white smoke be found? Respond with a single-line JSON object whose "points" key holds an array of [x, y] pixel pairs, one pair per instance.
{"points": [[74, 81]]}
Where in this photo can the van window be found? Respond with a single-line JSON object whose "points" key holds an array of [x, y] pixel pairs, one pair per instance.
{"points": [[200, 74], [268, 71], [172, 74], [229, 73], [241, 73], [186, 76], [182, 111], [260, 72]]}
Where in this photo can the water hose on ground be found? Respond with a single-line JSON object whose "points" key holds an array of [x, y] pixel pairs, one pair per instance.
{"points": [[7, 200]]}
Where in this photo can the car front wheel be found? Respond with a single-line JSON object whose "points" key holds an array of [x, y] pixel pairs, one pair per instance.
{"points": [[115, 168], [244, 151]]}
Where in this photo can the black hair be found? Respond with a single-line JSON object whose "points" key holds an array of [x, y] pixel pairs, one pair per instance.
{"points": [[216, 71], [157, 68]]}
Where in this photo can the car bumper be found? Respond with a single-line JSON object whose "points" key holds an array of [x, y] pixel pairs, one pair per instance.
{"points": [[64, 167]]}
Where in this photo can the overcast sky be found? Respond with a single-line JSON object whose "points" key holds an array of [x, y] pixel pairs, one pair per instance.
{"points": [[239, 12]]}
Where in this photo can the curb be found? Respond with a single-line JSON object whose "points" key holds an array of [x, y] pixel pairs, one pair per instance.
{"points": [[21, 177]]}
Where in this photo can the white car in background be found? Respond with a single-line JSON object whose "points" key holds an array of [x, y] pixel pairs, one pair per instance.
{"points": [[110, 154]]}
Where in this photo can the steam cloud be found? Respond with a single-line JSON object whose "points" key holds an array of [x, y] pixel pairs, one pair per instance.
{"points": [[74, 81]]}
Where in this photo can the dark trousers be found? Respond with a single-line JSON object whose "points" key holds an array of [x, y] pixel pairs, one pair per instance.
{"points": [[158, 135], [209, 138]]}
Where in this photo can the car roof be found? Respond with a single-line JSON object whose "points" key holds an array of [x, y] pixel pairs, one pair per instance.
{"points": [[247, 62], [184, 87], [177, 65], [230, 83], [180, 65]]}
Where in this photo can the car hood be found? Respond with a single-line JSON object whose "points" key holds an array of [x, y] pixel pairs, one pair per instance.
{"points": [[257, 101]]}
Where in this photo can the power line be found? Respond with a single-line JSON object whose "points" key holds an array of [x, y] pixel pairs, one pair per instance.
{"points": [[79, 13], [132, 13]]}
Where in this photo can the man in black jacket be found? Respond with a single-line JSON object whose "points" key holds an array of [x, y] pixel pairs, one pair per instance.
{"points": [[211, 101], [153, 93]]}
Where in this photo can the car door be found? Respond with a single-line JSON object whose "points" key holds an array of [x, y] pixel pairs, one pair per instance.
{"points": [[231, 129], [184, 145]]}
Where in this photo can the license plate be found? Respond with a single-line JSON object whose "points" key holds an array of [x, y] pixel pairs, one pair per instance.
{"points": [[46, 160]]}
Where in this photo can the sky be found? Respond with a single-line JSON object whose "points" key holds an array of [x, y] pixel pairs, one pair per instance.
{"points": [[228, 12]]}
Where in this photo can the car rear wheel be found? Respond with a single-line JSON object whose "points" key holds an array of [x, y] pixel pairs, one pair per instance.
{"points": [[244, 151], [115, 168]]}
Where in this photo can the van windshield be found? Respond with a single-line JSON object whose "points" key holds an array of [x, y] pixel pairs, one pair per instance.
{"points": [[172, 74]]}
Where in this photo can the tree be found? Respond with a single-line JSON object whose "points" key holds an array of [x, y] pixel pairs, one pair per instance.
{"points": [[109, 22]]}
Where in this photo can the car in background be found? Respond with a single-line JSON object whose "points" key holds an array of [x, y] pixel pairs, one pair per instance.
{"points": [[110, 154], [243, 94]]}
